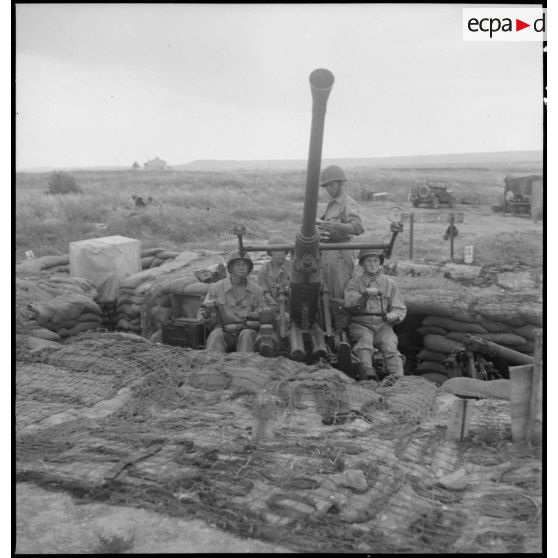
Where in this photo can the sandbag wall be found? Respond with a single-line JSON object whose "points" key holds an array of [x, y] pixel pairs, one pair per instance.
{"points": [[49, 309], [144, 299], [450, 311]]}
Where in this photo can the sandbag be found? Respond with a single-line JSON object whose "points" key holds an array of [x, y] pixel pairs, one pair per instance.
{"points": [[38, 344], [43, 333], [527, 331], [508, 339], [78, 328], [155, 262], [426, 354], [160, 314], [496, 312], [146, 252], [130, 299], [496, 327], [146, 262], [167, 255], [457, 335], [89, 317], [70, 307], [436, 377], [470, 387], [440, 344], [126, 325], [453, 325], [128, 309], [432, 366], [425, 330], [178, 284]]}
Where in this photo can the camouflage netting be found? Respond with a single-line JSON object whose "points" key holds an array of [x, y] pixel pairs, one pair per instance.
{"points": [[273, 449]]}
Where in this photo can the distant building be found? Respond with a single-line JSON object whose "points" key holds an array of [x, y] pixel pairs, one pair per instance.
{"points": [[156, 164]]}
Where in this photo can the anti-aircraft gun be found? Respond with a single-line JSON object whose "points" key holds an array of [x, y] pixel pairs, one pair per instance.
{"points": [[310, 335]]}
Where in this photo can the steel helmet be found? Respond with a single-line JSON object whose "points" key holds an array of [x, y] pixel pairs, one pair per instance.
{"points": [[236, 257], [277, 240], [331, 174], [370, 252]]}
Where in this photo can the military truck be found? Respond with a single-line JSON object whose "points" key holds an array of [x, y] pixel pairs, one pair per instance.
{"points": [[432, 194]]}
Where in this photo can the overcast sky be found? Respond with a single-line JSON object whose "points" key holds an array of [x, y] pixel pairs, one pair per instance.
{"points": [[112, 84]]}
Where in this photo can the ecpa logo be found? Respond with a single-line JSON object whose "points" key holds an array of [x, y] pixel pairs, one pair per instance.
{"points": [[504, 24]]}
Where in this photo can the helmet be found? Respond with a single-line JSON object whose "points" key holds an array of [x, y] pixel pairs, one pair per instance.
{"points": [[370, 252], [332, 173], [277, 240], [236, 257]]}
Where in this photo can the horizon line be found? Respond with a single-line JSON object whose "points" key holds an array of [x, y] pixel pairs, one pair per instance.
{"points": [[462, 153]]}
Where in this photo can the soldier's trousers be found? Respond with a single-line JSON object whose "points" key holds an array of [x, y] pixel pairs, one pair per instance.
{"points": [[383, 337], [337, 268], [222, 342]]}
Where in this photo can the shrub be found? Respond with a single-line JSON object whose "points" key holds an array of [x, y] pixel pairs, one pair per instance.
{"points": [[61, 182]]}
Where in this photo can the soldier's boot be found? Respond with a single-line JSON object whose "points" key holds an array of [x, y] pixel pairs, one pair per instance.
{"points": [[394, 363], [366, 369]]}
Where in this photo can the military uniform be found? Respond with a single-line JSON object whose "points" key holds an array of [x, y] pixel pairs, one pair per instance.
{"points": [[369, 330], [338, 265], [231, 335]]}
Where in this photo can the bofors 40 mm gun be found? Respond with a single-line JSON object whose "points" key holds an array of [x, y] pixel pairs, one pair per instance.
{"points": [[309, 336]]}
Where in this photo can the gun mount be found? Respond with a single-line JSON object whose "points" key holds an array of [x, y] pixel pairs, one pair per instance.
{"points": [[310, 335]]}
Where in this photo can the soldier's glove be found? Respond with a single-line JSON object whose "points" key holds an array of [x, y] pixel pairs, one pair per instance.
{"points": [[372, 291], [392, 317]]}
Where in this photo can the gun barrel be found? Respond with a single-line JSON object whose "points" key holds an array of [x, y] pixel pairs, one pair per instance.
{"points": [[321, 82], [490, 349]]}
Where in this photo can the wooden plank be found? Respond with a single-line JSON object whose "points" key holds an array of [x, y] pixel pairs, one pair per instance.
{"points": [[534, 428], [521, 387]]}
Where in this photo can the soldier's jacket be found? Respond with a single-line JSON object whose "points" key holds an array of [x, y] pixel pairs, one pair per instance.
{"points": [[359, 306], [343, 209], [235, 310]]}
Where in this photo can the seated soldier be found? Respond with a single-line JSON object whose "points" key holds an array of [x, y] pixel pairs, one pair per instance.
{"points": [[275, 274], [227, 308], [375, 303]]}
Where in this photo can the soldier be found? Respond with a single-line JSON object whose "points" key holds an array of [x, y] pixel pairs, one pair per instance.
{"points": [[275, 274], [375, 304], [227, 308], [339, 223]]}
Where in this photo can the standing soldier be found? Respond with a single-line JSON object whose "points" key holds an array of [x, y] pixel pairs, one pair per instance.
{"points": [[340, 222], [375, 304], [227, 308]]}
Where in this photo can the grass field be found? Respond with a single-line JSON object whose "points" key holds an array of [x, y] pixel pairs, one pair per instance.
{"points": [[199, 209]]}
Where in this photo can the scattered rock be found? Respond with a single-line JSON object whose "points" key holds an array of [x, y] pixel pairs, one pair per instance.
{"points": [[516, 280], [351, 478], [454, 481], [460, 271]]}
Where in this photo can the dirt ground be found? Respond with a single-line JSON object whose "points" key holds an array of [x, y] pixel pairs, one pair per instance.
{"points": [[55, 523]]}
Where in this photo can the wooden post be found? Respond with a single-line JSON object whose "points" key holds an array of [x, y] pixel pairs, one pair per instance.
{"points": [[411, 234], [460, 419], [452, 222], [534, 426]]}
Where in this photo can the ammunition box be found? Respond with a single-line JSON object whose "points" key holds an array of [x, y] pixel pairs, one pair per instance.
{"points": [[184, 332]]}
